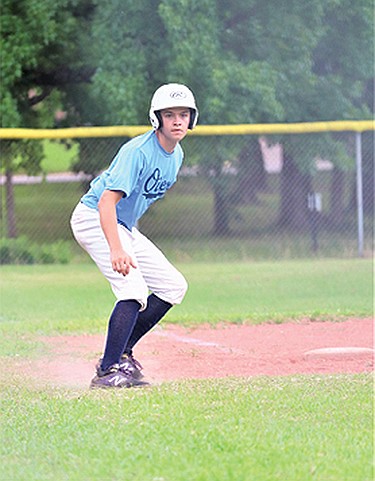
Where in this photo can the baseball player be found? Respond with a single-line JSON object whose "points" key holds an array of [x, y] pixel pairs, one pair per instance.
{"points": [[146, 285]]}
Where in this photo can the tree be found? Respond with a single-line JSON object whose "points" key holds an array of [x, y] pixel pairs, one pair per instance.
{"points": [[248, 62], [136, 53], [344, 63], [41, 43], [285, 33], [129, 63], [322, 56], [231, 88], [281, 36], [40, 58], [341, 67]]}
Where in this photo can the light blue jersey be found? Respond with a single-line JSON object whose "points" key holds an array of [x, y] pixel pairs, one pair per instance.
{"points": [[143, 171]]}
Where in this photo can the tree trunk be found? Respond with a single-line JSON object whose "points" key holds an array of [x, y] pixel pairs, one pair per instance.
{"points": [[252, 176], [295, 187], [221, 206], [10, 208]]}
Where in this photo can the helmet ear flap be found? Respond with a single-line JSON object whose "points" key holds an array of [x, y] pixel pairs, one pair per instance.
{"points": [[159, 119], [156, 119], [193, 119]]}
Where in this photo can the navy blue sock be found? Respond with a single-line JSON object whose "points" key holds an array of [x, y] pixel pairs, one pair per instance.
{"points": [[120, 328], [147, 319]]}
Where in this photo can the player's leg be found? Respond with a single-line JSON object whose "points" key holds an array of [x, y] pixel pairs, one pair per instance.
{"points": [[161, 277], [131, 292], [109, 369], [167, 284], [147, 319], [120, 327], [156, 309]]}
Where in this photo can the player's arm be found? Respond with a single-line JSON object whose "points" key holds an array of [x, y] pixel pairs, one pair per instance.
{"points": [[121, 261]]}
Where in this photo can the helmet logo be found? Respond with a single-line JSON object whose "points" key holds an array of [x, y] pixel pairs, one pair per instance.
{"points": [[178, 94]]}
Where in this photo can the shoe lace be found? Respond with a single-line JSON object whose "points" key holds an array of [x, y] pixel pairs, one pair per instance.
{"points": [[130, 358]]}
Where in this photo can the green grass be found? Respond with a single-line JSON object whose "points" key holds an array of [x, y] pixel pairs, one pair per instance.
{"points": [[300, 428], [265, 429], [76, 298], [58, 156], [296, 428]]}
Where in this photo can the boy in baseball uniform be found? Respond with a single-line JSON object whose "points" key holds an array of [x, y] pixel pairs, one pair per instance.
{"points": [[146, 285]]}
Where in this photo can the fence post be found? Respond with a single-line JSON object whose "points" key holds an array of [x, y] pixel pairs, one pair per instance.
{"points": [[359, 184]]}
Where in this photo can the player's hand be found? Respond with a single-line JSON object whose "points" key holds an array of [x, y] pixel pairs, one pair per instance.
{"points": [[122, 262]]}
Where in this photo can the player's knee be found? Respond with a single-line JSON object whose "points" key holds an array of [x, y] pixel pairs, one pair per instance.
{"points": [[173, 291], [180, 290], [137, 291]]}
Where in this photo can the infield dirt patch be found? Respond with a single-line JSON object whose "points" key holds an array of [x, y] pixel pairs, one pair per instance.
{"points": [[172, 352]]}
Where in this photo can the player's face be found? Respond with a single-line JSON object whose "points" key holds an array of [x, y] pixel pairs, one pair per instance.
{"points": [[175, 125]]}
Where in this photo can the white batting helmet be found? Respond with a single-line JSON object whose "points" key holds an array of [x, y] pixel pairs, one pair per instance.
{"points": [[172, 95]]}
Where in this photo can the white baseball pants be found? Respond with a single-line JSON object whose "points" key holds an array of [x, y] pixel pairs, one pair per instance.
{"points": [[154, 272]]}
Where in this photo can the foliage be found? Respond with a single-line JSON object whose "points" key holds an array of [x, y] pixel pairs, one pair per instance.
{"points": [[23, 251], [343, 61], [21, 155], [251, 61], [246, 61], [40, 44], [128, 61]]}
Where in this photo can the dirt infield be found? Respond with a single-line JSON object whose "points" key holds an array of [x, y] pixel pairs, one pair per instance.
{"points": [[171, 352]]}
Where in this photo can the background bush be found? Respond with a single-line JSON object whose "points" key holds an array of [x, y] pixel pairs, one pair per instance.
{"points": [[24, 251]]}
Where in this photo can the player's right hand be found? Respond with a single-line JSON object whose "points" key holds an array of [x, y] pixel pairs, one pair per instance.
{"points": [[122, 262]]}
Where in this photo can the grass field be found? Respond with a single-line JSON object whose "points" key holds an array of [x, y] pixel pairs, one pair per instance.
{"points": [[298, 428], [263, 429], [76, 298]]}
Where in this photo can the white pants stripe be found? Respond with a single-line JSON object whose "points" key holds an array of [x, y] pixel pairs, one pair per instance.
{"points": [[154, 272]]}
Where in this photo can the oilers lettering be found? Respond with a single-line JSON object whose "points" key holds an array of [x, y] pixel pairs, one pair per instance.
{"points": [[156, 186]]}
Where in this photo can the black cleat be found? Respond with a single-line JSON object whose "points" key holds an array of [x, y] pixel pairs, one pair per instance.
{"points": [[114, 377]]}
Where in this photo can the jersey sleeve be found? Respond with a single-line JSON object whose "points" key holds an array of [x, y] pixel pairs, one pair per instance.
{"points": [[125, 170]]}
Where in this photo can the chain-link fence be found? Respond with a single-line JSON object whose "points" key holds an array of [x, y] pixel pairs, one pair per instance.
{"points": [[249, 196]]}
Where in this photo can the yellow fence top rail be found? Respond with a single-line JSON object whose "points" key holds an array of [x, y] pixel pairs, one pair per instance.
{"points": [[201, 130]]}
